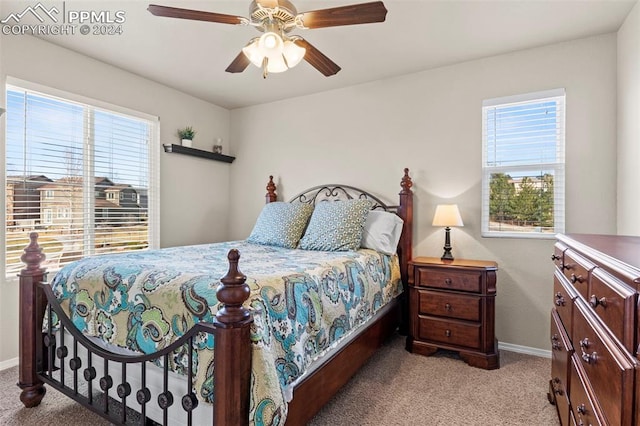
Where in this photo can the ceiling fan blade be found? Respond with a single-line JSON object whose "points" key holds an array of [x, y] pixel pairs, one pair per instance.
{"points": [[196, 15], [317, 59], [365, 13], [239, 64]]}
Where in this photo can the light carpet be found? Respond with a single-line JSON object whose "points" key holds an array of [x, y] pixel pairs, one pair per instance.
{"points": [[393, 388]]}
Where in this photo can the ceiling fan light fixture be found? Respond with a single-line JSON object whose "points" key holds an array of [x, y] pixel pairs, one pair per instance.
{"points": [[276, 64], [270, 43], [280, 54], [293, 53], [254, 53]]}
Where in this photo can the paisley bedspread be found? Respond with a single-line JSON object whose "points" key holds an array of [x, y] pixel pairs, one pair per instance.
{"points": [[303, 302]]}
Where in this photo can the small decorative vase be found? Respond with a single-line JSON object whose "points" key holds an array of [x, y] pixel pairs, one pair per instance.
{"points": [[186, 142]]}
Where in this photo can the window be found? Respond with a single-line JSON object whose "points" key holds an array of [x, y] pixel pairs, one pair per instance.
{"points": [[47, 216], [63, 213], [76, 148], [523, 165]]}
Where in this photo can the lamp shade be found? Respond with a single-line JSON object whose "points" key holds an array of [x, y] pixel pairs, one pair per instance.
{"points": [[447, 215]]}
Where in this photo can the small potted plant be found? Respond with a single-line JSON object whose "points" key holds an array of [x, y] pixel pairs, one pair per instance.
{"points": [[186, 135]]}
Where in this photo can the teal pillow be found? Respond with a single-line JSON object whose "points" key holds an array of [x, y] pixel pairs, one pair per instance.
{"points": [[281, 224], [336, 225]]}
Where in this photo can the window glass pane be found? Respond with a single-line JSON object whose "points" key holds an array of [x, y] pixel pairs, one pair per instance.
{"points": [[82, 198], [120, 152], [522, 134], [522, 202]]}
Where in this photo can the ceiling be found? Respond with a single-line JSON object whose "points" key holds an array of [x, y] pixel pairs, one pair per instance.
{"points": [[191, 56]]}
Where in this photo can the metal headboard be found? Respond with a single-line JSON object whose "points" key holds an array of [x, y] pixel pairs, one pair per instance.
{"points": [[336, 192]]}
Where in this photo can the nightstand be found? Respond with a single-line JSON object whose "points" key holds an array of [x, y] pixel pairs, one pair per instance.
{"points": [[452, 306]]}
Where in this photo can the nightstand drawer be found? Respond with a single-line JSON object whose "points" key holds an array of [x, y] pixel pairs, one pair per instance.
{"points": [[449, 305], [458, 280], [450, 332]]}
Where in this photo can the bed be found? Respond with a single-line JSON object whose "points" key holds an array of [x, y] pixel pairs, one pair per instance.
{"points": [[130, 377]]}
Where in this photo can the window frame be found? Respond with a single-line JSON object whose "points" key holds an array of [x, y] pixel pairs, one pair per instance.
{"points": [[557, 167], [153, 206]]}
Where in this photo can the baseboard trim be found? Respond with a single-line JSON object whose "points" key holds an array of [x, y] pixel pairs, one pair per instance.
{"points": [[8, 363], [524, 350]]}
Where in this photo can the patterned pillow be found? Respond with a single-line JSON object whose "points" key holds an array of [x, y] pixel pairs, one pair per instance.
{"points": [[336, 225], [281, 224]]}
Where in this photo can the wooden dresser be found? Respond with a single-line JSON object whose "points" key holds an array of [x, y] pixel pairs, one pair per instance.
{"points": [[452, 306], [595, 379]]}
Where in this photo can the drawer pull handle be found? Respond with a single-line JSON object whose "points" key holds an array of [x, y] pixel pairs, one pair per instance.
{"points": [[555, 342], [447, 307], [585, 343], [447, 333], [568, 266], [594, 301], [554, 257], [557, 388], [576, 278], [582, 409], [447, 281], [589, 358], [559, 299]]}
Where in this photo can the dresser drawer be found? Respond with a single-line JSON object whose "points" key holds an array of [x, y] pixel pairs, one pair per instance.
{"points": [[449, 305], [615, 303], [563, 296], [576, 268], [558, 255], [449, 279], [584, 408], [450, 332], [608, 368], [561, 350]]}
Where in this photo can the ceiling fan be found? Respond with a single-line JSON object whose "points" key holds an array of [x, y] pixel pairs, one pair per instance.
{"points": [[276, 50]]}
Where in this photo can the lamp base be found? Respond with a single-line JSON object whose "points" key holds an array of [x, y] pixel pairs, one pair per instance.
{"points": [[447, 255], [447, 245]]}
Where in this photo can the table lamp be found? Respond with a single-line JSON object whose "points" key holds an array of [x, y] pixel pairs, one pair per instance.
{"points": [[447, 215]]}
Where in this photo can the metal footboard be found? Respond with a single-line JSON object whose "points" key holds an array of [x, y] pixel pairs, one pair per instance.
{"points": [[76, 376]]}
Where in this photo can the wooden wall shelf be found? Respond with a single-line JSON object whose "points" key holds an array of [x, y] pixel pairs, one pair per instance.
{"points": [[179, 149]]}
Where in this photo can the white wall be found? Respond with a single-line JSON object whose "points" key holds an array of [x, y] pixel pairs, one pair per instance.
{"points": [[431, 122], [629, 124], [194, 192]]}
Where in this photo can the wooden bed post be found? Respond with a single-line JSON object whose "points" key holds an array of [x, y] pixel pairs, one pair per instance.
{"points": [[32, 306], [232, 361], [271, 191], [405, 211]]}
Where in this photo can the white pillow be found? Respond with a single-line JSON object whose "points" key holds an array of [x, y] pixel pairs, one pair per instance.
{"points": [[382, 232]]}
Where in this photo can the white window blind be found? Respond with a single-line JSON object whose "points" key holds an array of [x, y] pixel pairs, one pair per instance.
{"points": [[523, 142], [83, 176]]}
